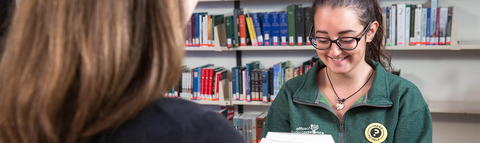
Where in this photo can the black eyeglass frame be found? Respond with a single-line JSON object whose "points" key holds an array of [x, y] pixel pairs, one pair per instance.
{"points": [[335, 41]]}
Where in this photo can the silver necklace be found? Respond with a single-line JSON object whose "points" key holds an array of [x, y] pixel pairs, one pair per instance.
{"points": [[340, 101]]}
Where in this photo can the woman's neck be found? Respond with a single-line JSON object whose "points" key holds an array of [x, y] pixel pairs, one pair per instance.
{"points": [[358, 74]]}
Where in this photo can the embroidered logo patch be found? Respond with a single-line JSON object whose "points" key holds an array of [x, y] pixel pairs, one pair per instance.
{"points": [[312, 129], [376, 133]]}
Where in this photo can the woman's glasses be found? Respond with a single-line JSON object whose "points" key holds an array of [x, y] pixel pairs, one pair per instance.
{"points": [[346, 43]]}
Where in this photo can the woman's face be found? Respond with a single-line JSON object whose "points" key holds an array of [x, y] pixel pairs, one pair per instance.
{"points": [[333, 24]]}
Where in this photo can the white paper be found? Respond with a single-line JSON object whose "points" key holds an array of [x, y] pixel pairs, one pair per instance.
{"points": [[297, 138]]}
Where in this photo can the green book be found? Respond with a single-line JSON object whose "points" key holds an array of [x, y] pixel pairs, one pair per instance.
{"points": [[412, 24], [229, 29], [236, 13], [291, 23]]}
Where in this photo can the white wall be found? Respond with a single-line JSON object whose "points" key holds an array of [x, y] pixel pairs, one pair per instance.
{"points": [[441, 75]]}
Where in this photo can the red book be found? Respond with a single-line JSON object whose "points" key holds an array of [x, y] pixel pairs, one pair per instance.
{"points": [[242, 30], [202, 84], [437, 29], [210, 85], [260, 122]]}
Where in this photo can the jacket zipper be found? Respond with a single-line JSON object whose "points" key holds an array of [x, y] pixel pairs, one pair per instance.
{"points": [[342, 122]]}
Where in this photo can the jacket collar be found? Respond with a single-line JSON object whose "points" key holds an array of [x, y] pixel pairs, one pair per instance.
{"points": [[377, 95]]}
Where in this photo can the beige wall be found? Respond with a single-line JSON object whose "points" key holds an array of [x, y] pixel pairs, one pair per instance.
{"points": [[456, 128]]}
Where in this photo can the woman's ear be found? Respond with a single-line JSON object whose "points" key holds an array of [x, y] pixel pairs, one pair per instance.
{"points": [[372, 31]]}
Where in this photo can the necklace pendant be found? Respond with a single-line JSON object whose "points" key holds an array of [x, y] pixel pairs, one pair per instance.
{"points": [[340, 106]]}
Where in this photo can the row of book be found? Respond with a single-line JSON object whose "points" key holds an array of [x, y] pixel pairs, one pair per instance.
{"points": [[241, 83], [290, 27], [417, 25], [250, 126]]}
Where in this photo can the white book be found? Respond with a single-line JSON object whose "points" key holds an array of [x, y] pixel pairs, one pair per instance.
{"points": [[423, 31], [401, 24], [433, 20], [443, 25], [205, 31], [393, 26], [418, 24], [407, 24]]}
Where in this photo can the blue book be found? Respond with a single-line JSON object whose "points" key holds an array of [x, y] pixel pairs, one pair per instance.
{"points": [[275, 80], [197, 29], [283, 77], [234, 83], [258, 29], [247, 82], [265, 86], [283, 28], [266, 28], [195, 82], [275, 28], [428, 27]]}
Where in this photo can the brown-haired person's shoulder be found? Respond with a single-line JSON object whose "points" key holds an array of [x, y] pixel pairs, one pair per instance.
{"points": [[173, 121]]}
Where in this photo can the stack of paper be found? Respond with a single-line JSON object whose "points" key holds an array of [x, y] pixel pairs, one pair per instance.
{"points": [[277, 137]]}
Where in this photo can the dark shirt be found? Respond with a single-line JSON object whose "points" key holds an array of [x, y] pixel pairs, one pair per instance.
{"points": [[173, 121]]}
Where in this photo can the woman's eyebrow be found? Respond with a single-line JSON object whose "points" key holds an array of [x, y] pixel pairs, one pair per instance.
{"points": [[341, 32]]}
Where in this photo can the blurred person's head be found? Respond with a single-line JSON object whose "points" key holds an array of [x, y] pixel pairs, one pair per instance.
{"points": [[73, 69]]}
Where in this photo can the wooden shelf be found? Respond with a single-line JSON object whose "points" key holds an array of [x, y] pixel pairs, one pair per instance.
{"points": [[251, 103], [226, 103], [435, 106], [199, 49], [425, 47], [454, 107]]}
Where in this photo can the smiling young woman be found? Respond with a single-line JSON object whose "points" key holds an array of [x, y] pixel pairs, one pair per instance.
{"points": [[349, 93]]}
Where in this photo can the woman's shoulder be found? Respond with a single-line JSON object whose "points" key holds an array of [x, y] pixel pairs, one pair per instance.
{"points": [[170, 120]]}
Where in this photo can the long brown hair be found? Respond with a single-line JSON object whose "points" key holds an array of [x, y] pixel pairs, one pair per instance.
{"points": [[73, 69], [367, 11]]}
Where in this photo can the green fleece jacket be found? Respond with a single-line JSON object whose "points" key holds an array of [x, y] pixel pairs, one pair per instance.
{"points": [[392, 101]]}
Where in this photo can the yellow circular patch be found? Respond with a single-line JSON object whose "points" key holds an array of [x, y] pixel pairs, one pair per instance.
{"points": [[376, 133]]}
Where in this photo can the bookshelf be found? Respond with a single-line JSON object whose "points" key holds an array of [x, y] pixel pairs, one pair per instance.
{"points": [[442, 72]]}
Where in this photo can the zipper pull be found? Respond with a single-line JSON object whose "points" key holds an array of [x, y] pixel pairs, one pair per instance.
{"points": [[341, 126]]}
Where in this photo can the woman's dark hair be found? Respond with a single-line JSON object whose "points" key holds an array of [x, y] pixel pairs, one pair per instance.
{"points": [[5, 12], [367, 11]]}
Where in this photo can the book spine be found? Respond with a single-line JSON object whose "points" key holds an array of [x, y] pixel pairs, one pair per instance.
{"points": [[418, 27], [437, 27], [251, 30], [212, 31], [258, 29], [200, 30], [394, 24], [189, 33], [384, 24], [308, 24], [275, 27], [234, 84], [202, 84], [300, 26], [197, 28], [266, 28], [283, 28], [242, 29], [407, 24], [423, 31], [401, 24], [388, 27], [449, 25], [413, 9], [235, 39], [195, 83], [265, 80], [270, 85], [245, 85], [209, 30], [427, 35], [433, 21], [240, 81], [443, 25], [291, 24]]}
